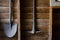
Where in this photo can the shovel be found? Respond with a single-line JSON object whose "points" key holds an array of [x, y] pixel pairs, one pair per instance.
{"points": [[10, 29], [33, 31]]}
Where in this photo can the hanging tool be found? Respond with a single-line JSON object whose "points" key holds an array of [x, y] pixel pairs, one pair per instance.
{"points": [[33, 27], [10, 29], [33, 31]]}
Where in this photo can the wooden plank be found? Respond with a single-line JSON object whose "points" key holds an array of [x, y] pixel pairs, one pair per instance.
{"points": [[41, 24], [7, 21], [39, 27], [38, 10], [37, 20], [4, 3], [30, 23], [18, 18], [27, 24], [27, 0], [27, 4], [39, 3], [17, 11], [42, 10], [6, 15], [45, 28], [38, 16], [37, 36], [42, 3], [55, 6], [4, 10], [29, 10], [50, 24]]}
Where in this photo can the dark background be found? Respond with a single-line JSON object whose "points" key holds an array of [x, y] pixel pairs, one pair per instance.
{"points": [[56, 24]]}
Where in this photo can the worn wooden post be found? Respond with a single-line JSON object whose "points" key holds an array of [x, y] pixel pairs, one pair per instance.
{"points": [[17, 7]]}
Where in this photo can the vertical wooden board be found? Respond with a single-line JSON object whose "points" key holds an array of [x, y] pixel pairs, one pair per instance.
{"points": [[18, 11], [50, 24]]}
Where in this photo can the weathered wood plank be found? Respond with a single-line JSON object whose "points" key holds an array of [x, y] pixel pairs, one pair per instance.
{"points": [[37, 20], [6, 15], [28, 4], [38, 10], [42, 10], [37, 36], [42, 3], [4, 10], [4, 3], [28, 26], [27, 0], [7, 21], [39, 3], [38, 15], [39, 27]]}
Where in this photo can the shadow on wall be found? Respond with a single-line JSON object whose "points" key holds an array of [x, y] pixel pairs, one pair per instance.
{"points": [[56, 24]]}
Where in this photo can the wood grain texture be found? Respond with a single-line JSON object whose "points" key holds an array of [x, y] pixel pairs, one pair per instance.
{"points": [[55, 6], [6, 15], [43, 19], [43, 3], [39, 3], [4, 9], [38, 16], [4, 3], [37, 36], [38, 10]]}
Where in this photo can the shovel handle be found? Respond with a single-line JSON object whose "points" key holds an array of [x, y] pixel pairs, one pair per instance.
{"points": [[33, 26]]}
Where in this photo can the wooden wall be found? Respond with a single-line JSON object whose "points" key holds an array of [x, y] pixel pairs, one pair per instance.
{"points": [[4, 17], [42, 19]]}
